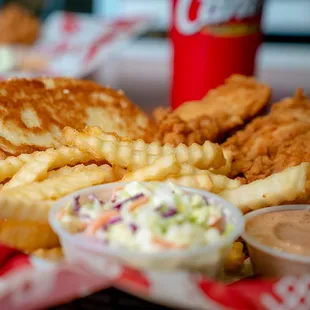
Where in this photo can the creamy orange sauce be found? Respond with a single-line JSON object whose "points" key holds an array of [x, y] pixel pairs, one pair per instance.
{"points": [[287, 231]]}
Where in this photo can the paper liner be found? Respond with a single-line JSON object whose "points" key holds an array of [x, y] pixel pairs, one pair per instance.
{"points": [[27, 283], [76, 44]]}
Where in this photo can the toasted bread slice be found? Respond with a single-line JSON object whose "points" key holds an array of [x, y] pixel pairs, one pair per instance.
{"points": [[34, 111]]}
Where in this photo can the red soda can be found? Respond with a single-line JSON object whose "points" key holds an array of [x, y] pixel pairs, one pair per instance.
{"points": [[212, 39]]}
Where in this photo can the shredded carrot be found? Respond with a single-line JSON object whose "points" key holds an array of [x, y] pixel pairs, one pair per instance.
{"points": [[118, 188], [167, 244], [61, 213], [138, 203], [103, 219], [218, 225]]}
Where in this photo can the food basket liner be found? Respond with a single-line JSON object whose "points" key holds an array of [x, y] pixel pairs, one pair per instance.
{"points": [[27, 282]]}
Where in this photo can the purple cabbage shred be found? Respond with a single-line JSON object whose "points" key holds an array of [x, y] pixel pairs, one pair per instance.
{"points": [[133, 227], [170, 212], [114, 220], [76, 204], [104, 227], [206, 200], [120, 204], [94, 198]]}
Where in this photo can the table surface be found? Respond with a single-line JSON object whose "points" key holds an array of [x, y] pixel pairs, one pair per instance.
{"points": [[109, 299]]}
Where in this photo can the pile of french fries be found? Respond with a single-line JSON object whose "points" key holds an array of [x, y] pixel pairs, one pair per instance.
{"points": [[30, 183]]}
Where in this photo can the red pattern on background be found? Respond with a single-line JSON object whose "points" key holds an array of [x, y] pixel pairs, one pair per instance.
{"points": [[95, 46], [70, 23], [116, 29]]}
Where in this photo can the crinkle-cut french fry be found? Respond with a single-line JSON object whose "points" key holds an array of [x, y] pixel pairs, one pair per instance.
{"points": [[12, 164], [51, 189], [226, 168], [123, 153], [151, 148], [235, 258], [279, 187], [23, 209], [54, 254], [66, 170], [113, 174], [116, 175], [138, 145], [159, 170], [202, 181], [32, 171], [220, 182], [27, 236], [64, 156]]}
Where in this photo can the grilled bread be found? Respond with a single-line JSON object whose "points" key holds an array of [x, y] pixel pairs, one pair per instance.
{"points": [[34, 111]]}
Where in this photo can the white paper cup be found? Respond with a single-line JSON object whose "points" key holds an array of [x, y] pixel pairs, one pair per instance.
{"points": [[207, 259]]}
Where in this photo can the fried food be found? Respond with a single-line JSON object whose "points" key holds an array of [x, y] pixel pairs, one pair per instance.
{"points": [[279, 187], [34, 111], [27, 236], [2, 155], [271, 143], [123, 153], [159, 170], [18, 26], [62, 156], [202, 181], [167, 168], [224, 170], [22, 209], [235, 258], [174, 130], [54, 254], [221, 110], [112, 174], [51, 189], [33, 171], [220, 182]]}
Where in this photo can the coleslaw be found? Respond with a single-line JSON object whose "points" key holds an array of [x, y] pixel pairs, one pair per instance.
{"points": [[149, 217]]}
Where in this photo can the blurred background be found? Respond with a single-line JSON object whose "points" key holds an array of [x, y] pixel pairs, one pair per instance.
{"points": [[143, 69]]}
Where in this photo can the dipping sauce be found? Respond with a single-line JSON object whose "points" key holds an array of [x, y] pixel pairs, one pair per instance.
{"points": [[287, 230]]}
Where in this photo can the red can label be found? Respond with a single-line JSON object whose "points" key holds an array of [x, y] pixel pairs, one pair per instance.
{"points": [[212, 39]]}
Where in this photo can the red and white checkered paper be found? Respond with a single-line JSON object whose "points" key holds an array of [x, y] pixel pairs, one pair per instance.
{"points": [[28, 283], [77, 44]]}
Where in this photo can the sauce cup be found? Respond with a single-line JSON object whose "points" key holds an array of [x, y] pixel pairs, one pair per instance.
{"points": [[208, 259], [271, 262]]}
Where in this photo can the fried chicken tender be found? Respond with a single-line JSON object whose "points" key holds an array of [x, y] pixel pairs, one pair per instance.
{"points": [[219, 112], [160, 114], [174, 130], [274, 142]]}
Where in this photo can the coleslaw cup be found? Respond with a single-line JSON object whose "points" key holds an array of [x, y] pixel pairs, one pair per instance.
{"points": [[270, 262], [90, 250]]}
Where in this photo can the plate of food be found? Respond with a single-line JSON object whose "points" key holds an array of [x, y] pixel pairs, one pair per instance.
{"points": [[157, 207]]}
